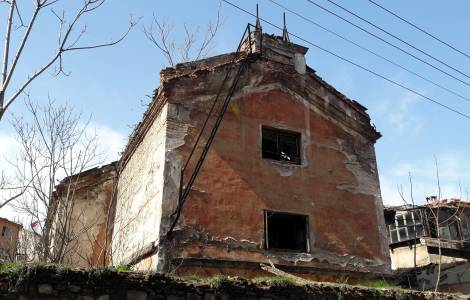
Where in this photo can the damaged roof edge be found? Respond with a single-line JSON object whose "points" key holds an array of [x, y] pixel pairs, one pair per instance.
{"points": [[449, 203], [194, 68], [89, 172]]}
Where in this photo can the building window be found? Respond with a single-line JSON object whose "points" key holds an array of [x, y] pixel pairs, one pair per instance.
{"points": [[285, 231], [6, 232], [281, 145], [407, 226]]}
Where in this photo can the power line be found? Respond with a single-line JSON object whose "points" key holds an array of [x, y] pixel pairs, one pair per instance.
{"points": [[398, 38], [389, 43], [371, 51], [353, 63], [420, 29]]}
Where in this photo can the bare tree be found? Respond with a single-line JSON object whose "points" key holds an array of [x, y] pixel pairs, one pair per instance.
{"points": [[192, 47], [435, 215], [54, 144], [436, 219], [413, 209], [27, 243], [8, 193], [70, 33]]}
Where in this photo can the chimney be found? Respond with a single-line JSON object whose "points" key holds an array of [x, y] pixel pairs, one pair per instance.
{"points": [[277, 48]]}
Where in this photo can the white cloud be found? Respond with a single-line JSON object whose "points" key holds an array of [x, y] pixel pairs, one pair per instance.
{"points": [[453, 176], [8, 149], [398, 111], [110, 143]]}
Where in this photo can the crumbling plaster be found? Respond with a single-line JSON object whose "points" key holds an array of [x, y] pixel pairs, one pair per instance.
{"points": [[336, 183], [139, 194], [88, 197], [352, 144]]}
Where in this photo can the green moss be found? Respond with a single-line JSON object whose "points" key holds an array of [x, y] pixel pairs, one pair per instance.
{"points": [[217, 282], [381, 284], [194, 277], [276, 281], [220, 282], [121, 268]]}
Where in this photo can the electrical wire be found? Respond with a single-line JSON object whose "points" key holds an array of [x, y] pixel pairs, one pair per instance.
{"points": [[396, 37], [389, 43], [420, 29], [371, 51], [353, 63]]}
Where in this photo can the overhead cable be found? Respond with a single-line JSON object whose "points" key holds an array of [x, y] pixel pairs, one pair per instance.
{"points": [[389, 43], [397, 38], [353, 63], [420, 29], [371, 51]]}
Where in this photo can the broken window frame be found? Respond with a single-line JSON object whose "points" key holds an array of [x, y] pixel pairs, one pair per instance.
{"points": [[269, 213], [281, 138], [405, 226]]}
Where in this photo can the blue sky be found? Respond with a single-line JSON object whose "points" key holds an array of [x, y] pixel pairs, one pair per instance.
{"points": [[110, 83]]}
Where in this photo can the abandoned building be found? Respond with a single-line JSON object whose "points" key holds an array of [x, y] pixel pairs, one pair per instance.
{"points": [[81, 218], [8, 239], [424, 236], [280, 169]]}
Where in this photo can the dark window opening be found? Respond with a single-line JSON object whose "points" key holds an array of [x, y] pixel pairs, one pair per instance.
{"points": [[281, 145], [286, 231]]}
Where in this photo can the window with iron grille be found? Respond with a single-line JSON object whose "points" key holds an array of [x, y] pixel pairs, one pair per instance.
{"points": [[281, 145]]}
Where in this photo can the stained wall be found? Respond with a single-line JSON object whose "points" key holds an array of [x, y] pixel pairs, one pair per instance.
{"points": [[336, 184]]}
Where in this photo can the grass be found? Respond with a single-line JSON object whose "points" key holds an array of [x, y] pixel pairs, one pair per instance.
{"points": [[381, 284], [121, 268], [276, 281], [10, 266]]}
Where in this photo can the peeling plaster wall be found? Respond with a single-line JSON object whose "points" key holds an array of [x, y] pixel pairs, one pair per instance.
{"points": [[403, 257], [453, 278], [336, 185], [93, 194], [139, 197]]}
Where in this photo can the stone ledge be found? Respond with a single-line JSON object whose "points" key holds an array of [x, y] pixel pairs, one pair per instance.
{"points": [[50, 282]]}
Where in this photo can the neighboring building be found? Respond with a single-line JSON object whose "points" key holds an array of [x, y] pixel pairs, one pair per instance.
{"points": [[82, 228], [8, 239], [291, 177], [417, 235], [28, 246], [416, 227]]}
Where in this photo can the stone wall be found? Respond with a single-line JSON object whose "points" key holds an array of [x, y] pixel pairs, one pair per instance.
{"points": [[51, 283]]}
